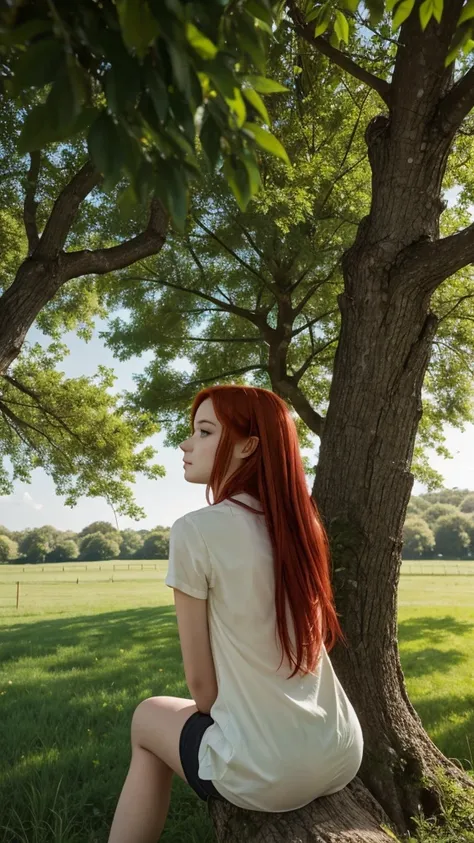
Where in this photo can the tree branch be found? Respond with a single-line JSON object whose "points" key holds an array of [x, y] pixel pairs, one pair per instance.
{"points": [[237, 257], [457, 104], [30, 205], [221, 375], [310, 416], [302, 370], [306, 31], [100, 261], [26, 425], [65, 209], [257, 320], [27, 391], [426, 265]]}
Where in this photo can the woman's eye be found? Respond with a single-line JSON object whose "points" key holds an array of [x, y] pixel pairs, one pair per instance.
{"points": [[204, 431]]}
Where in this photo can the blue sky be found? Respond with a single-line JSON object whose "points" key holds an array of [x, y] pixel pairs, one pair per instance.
{"points": [[164, 499]]}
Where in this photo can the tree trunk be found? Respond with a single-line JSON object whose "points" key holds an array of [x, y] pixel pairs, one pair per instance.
{"points": [[350, 816]]}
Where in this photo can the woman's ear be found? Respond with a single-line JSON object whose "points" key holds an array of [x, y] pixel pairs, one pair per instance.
{"points": [[250, 446]]}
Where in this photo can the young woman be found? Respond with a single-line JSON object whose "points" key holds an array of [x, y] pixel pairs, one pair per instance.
{"points": [[269, 726]]}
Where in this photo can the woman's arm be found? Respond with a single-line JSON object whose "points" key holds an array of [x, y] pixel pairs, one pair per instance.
{"points": [[193, 628]]}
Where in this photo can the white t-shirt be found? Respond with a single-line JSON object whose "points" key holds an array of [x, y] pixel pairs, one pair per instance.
{"points": [[276, 743]]}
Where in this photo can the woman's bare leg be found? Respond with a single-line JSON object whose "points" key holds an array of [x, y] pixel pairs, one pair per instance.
{"points": [[144, 801]]}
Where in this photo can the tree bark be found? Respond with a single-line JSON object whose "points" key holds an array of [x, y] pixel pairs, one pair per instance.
{"points": [[350, 816]]}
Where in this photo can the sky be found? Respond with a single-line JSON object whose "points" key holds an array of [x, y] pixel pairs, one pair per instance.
{"points": [[166, 498]]}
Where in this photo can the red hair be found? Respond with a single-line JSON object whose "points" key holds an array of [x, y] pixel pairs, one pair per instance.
{"points": [[274, 474]]}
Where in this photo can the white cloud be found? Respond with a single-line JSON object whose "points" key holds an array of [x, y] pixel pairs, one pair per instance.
{"points": [[29, 500]]}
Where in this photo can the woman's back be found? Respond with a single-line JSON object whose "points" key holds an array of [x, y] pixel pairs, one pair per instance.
{"points": [[276, 743]]}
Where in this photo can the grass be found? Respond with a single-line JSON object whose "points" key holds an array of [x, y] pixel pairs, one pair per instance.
{"points": [[76, 658]]}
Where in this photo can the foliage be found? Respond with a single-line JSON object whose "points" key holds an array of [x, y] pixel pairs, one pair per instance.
{"points": [[8, 548], [418, 538], [139, 76], [467, 504], [436, 526], [76, 428], [99, 527], [452, 535], [64, 551], [155, 546], [99, 546]]}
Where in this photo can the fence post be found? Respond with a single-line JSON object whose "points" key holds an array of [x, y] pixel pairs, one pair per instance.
{"points": [[17, 593]]}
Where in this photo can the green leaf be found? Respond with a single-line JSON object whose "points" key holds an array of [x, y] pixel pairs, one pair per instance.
{"points": [[259, 11], [65, 98], [391, 5], [467, 12], [321, 27], [267, 141], [37, 66], [429, 9], [122, 83], [199, 42], [157, 92], [237, 177], [264, 85], [257, 103], [210, 136], [25, 32], [247, 156], [350, 5], [341, 27], [313, 14], [404, 10], [237, 107], [103, 143], [139, 27], [172, 188]]}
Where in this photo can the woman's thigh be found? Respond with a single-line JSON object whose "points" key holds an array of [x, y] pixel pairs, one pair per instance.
{"points": [[157, 724]]}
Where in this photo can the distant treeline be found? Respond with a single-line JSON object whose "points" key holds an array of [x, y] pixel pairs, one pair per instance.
{"points": [[98, 541], [437, 525]]}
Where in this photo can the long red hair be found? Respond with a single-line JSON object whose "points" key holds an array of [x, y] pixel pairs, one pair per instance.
{"points": [[274, 474]]}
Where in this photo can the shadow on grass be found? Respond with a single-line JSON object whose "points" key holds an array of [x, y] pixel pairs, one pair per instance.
{"points": [[65, 722]]}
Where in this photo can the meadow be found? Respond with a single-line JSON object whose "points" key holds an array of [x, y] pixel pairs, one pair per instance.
{"points": [[88, 643]]}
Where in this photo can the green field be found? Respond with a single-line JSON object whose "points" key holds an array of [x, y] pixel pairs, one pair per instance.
{"points": [[77, 657]]}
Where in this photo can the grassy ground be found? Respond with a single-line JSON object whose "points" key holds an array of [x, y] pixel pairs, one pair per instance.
{"points": [[77, 657]]}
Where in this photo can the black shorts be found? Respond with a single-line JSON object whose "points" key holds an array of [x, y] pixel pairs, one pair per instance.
{"points": [[189, 743]]}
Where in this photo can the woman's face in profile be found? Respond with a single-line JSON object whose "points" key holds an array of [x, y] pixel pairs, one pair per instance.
{"points": [[200, 449]]}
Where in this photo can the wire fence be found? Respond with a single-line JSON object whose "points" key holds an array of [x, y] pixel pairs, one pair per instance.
{"points": [[11, 582]]}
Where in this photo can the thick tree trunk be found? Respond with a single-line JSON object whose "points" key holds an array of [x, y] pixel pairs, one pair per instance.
{"points": [[350, 816]]}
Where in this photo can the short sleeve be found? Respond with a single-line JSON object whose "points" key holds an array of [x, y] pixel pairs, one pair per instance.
{"points": [[189, 565]]}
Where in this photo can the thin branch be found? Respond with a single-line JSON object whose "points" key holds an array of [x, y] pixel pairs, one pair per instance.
{"points": [[299, 307], [30, 204], [457, 104], [100, 261], [27, 425], [238, 311], [313, 321], [306, 31], [65, 209], [221, 375], [237, 257], [458, 302], [213, 339], [301, 371], [456, 351], [27, 391]]}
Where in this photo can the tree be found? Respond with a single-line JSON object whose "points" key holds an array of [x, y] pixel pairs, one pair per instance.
{"points": [[155, 546], [64, 551], [452, 536], [8, 548], [99, 527], [418, 538], [99, 546], [467, 504], [130, 545], [436, 510], [36, 544]]}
